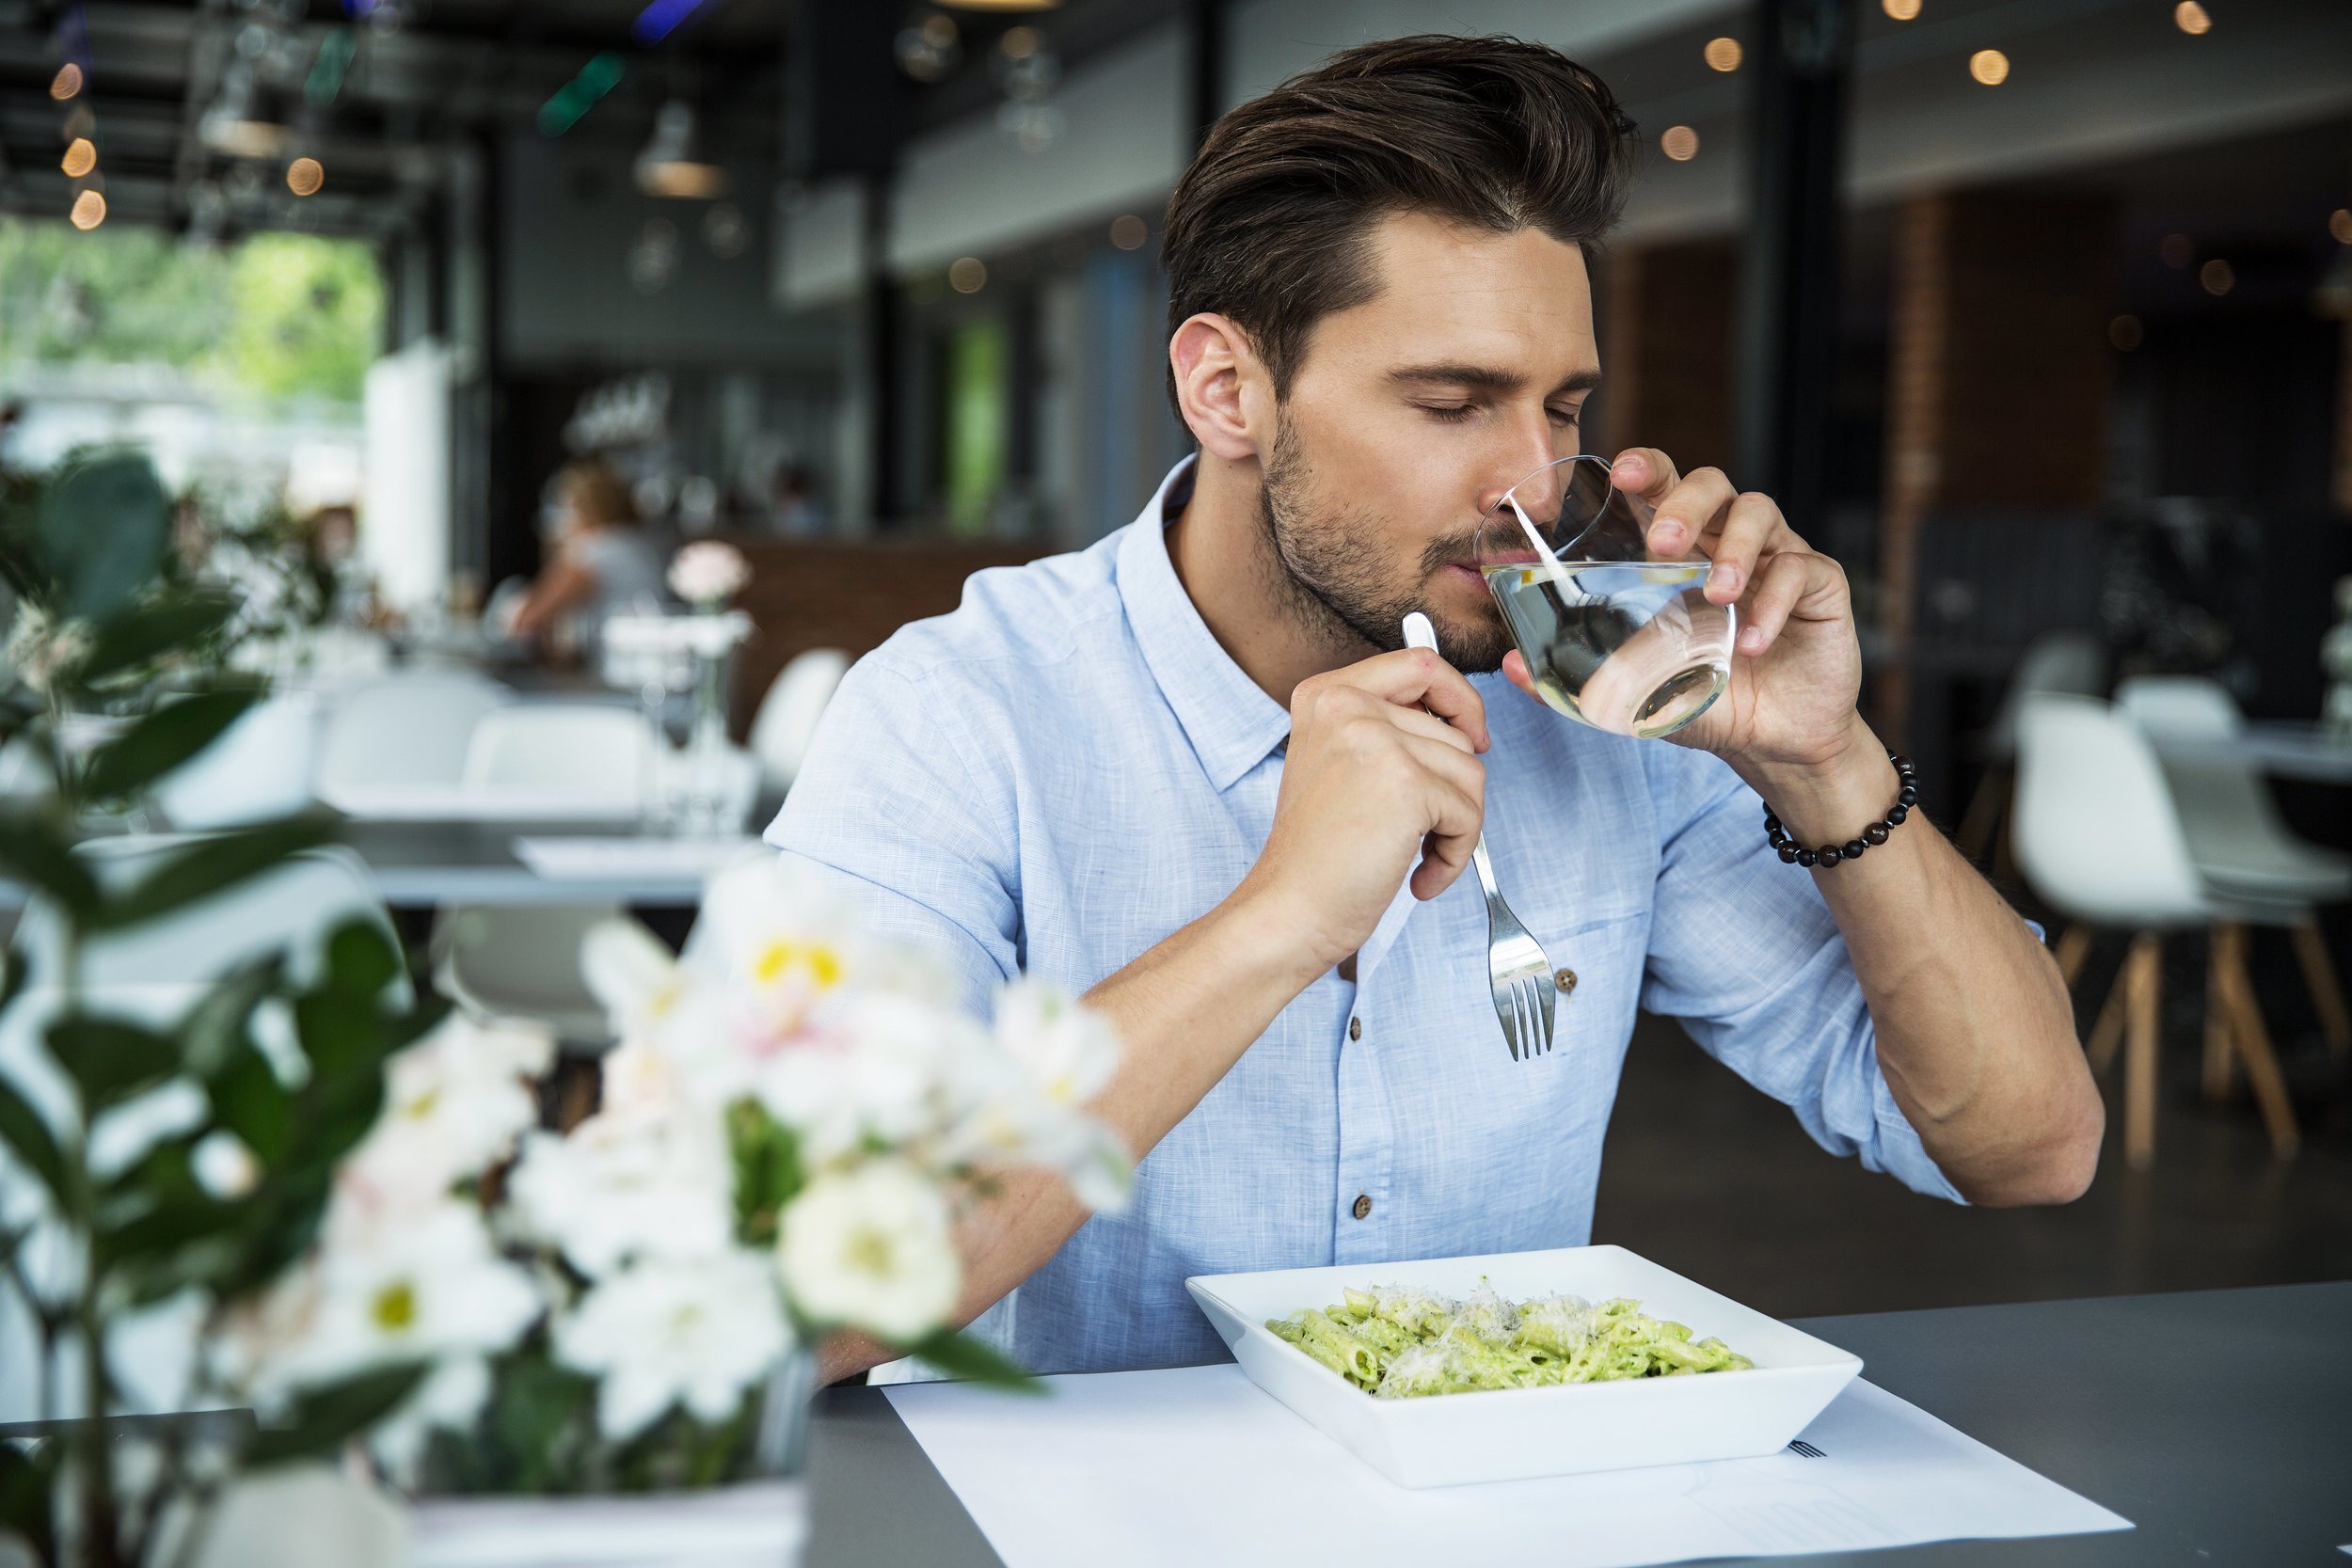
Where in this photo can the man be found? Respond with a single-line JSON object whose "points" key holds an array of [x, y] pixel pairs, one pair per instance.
{"points": [[1187, 770]]}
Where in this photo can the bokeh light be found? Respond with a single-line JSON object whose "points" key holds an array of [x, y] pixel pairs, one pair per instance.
{"points": [[304, 176], [89, 210], [1681, 143], [2190, 17], [1901, 10], [2126, 333], [1128, 231], [1723, 53], [1989, 66], [67, 83], [2217, 278], [967, 274], [81, 156], [2340, 225]]}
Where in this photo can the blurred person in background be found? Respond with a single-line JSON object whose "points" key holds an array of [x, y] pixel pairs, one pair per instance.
{"points": [[604, 562], [798, 515]]}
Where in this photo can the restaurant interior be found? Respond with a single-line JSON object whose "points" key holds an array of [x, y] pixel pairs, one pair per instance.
{"points": [[453, 450]]}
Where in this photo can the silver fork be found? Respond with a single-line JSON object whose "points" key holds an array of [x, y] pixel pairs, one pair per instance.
{"points": [[1517, 970]]}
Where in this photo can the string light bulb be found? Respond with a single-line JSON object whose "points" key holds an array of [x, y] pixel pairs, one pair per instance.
{"points": [[89, 210], [1723, 53], [304, 176], [1989, 66], [2192, 18], [81, 156], [1681, 143]]}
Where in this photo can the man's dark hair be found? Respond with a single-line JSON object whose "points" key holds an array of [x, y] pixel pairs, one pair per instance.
{"points": [[1271, 223]]}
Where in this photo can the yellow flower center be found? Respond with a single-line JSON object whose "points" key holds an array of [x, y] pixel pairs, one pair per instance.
{"points": [[869, 1250], [781, 957], [422, 1105], [396, 1307]]}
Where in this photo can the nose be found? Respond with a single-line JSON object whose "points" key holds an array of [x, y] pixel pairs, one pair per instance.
{"points": [[1524, 463]]}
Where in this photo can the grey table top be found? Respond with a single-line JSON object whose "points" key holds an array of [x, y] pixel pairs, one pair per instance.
{"points": [[2218, 1421], [424, 863], [2289, 748]]}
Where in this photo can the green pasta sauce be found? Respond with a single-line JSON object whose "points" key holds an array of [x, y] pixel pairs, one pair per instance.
{"points": [[1396, 1342]]}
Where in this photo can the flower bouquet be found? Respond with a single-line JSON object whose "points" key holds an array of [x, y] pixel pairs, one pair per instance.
{"points": [[780, 1147]]}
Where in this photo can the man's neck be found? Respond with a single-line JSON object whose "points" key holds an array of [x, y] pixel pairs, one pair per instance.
{"points": [[1273, 629]]}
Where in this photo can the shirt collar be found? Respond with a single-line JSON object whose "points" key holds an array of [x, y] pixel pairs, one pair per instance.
{"points": [[1228, 718]]}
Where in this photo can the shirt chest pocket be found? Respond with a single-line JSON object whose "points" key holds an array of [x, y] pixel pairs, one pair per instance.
{"points": [[1596, 965]]}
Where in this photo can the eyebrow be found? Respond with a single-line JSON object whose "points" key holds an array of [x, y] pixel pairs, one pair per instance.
{"points": [[1487, 378]]}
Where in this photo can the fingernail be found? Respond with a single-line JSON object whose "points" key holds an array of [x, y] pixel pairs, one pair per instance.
{"points": [[1751, 641], [1723, 577], [1668, 535]]}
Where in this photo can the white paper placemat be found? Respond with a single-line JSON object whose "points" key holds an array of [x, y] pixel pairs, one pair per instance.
{"points": [[1195, 1465], [587, 859]]}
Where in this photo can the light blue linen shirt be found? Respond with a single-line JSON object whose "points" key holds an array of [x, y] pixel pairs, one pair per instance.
{"points": [[1069, 768]]}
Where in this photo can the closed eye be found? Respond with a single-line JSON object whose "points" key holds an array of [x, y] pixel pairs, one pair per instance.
{"points": [[1451, 413]]}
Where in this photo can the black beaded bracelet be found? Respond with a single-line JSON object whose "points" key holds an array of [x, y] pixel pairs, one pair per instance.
{"points": [[1906, 797]]}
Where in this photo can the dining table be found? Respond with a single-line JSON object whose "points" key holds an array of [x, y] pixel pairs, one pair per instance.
{"points": [[2219, 1422], [2282, 748]]}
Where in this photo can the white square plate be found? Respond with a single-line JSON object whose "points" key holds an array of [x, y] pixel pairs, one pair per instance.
{"points": [[1511, 1433]]}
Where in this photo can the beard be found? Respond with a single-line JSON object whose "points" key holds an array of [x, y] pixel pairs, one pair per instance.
{"points": [[1339, 588]]}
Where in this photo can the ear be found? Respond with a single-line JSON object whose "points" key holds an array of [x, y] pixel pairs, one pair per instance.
{"points": [[1222, 387]]}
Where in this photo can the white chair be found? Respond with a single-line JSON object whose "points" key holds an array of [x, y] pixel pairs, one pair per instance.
{"points": [[405, 730], [2235, 834], [787, 716], [524, 963], [153, 973], [2062, 662], [265, 766], [594, 751], [2098, 837]]}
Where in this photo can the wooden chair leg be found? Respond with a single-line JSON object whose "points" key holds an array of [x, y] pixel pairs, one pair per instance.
{"points": [[2143, 978], [2224, 947], [2074, 946], [2107, 1033], [1985, 810], [2319, 975], [2262, 1063]]}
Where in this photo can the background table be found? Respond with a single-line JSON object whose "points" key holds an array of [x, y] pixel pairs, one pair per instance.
{"points": [[2219, 1422], [422, 864], [2284, 748]]}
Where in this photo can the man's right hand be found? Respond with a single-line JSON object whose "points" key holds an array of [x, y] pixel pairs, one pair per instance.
{"points": [[1383, 767]]}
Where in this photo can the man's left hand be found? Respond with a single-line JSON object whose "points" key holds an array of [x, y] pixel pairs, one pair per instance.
{"points": [[1796, 668]]}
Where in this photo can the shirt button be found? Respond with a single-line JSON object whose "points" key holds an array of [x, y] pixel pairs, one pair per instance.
{"points": [[1363, 1207], [1355, 1028], [1566, 980]]}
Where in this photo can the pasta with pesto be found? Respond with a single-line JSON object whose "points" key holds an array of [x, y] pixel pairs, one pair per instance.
{"points": [[1398, 1342]]}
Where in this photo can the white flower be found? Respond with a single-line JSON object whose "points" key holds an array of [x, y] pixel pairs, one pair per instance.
{"points": [[455, 1103], [770, 930], [421, 1286], [1070, 1051], [871, 1248], [875, 1072], [653, 1180], [699, 1334], [708, 572], [701, 1030]]}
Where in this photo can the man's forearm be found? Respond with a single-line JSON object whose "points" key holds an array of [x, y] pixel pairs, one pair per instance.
{"points": [[1184, 1012], [1975, 1029]]}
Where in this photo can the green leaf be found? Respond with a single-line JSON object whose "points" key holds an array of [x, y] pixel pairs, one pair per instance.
{"points": [[767, 1160], [34, 851], [247, 1099], [101, 531], [161, 741], [211, 866], [110, 1059], [362, 959], [217, 1030], [144, 632], [961, 1355], [27, 1137], [327, 1419], [28, 1488]]}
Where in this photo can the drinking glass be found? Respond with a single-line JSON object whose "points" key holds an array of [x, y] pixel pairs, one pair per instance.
{"points": [[1614, 636]]}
